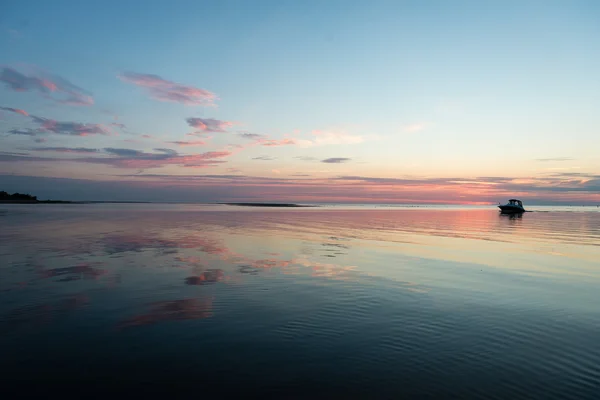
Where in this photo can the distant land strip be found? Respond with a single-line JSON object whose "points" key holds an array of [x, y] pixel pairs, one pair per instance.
{"points": [[39, 202], [22, 198], [267, 205]]}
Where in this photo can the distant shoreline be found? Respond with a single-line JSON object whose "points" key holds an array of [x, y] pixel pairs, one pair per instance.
{"points": [[37, 202], [290, 205], [285, 205], [69, 202], [281, 205], [278, 205]]}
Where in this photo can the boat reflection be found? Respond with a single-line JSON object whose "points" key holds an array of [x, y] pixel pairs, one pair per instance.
{"points": [[511, 215]]}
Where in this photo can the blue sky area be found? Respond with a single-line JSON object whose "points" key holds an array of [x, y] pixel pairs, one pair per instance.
{"points": [[341, 101]]}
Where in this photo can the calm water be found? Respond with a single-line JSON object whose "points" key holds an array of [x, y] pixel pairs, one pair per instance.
{"points": [[206, 301]]}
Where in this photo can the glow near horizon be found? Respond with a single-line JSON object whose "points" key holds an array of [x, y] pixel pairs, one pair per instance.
{"points": [[464, 101]]}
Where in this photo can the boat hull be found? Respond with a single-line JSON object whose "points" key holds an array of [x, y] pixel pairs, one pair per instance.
{"points": [[507, 209]]}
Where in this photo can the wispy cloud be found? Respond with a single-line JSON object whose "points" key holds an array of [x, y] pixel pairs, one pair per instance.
{"points": [[241, 188], [51, 86], [275, 142], [167, 151], [68, 128], [264, 158], [306, 158], [24, 132], [326, 138], [131, 158], [263, 140], [13, 153], [251, 136], [562, 168], [19, 82], [76, 150], [136, 159], [554, 159], [205, 125], [15, 110], [118, 125], [188, 143], [580, 187], [336, 160], [165, 90], [124, 152]]}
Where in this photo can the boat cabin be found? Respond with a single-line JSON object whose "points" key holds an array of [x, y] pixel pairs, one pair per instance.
{"points": [[515, 202]]}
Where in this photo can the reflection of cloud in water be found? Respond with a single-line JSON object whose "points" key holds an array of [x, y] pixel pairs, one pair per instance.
{"points": [[319, 269], [338, 245], [338, 238], [195, 263], [189, 260], [247, 269], [206, 277], [173, 310], [124, 243], [269, 263], [84, 270]]}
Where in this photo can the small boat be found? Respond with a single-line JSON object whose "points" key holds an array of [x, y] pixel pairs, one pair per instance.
{"points": [[513, 206]]}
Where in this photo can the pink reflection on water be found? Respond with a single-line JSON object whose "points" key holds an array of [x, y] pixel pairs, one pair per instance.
{"points": [[83, 270], [172, 310], [206, 277], [130, 242]]}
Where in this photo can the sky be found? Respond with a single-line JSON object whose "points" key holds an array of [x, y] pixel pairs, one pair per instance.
{"points": [[301, 101]]}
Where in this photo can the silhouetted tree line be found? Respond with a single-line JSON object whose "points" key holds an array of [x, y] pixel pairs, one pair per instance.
{"points": [[16, 196]]}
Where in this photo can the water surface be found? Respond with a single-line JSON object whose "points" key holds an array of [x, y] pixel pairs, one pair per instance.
{"points": [[357, 302]]}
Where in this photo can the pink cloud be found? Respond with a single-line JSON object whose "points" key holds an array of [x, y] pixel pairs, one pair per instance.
{"points": [[165, 90], [128, 158], [19, 82], [69, 128], [274, 142], [51, 86], [15, 110], [251, 136], [148, 136], [204, 125]]}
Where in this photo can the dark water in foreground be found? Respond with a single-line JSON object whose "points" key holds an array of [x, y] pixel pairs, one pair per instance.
{"points": [[203, 301]]}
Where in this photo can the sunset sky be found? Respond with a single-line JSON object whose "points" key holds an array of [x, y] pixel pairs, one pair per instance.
{"points": [[301, 101]]}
